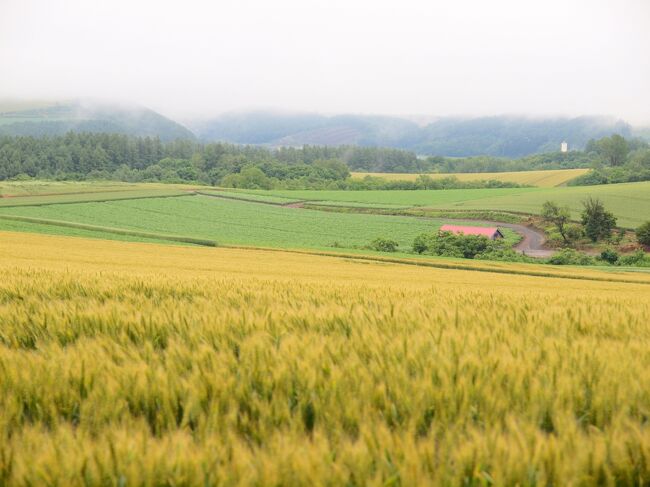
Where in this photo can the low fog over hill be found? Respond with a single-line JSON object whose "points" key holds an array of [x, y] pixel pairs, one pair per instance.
{"points": [[56, 118], [506, 136]]}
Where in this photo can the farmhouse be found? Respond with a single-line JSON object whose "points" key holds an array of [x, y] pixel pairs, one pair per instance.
{"points": [[490, 232]]}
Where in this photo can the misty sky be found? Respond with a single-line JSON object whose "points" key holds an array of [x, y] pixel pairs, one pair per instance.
{"points": [[461, 57]]}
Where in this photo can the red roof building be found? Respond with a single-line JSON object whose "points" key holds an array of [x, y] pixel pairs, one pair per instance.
{"points": [[490, 232]]}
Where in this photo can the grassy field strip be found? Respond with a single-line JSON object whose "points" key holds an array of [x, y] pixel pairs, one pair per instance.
{"points": [[420, 212], [250, 195], [84, 192], [546, 179], [118, 231], [74, 193], [35, 188], [67, 231], [399, 197], [630, 202], [251, 198], [349, 204], [91, 197]]}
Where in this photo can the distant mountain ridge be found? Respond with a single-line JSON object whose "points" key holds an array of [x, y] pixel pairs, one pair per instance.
{"points": [[501, 136], [84, 116], [504, 136]]}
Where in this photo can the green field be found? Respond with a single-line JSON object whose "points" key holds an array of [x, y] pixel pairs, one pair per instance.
{"points": [[89, 197], [233, 222], [38, 187], [261, 198], [630, 202], [46, 229], [23, 189]]}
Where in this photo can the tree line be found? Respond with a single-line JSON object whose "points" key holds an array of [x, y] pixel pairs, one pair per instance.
{"points": [[82, 156], [96, 156], [616, 160]]}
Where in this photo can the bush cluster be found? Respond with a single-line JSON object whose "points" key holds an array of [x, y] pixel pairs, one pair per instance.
{"points": [[571, 257], [451, 245], [381, 244]]}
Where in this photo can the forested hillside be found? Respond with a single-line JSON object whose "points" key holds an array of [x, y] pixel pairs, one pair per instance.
{"points": [[513, 136], [283, 129], [502, 137], [457, 137], [83, 116]]}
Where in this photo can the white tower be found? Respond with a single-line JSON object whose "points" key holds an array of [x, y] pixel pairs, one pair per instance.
{"points": [[564, 147]]}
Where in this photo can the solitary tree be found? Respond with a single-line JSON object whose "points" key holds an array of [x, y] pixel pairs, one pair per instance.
{"points": [[614, 149], [558, 215], [597, 221]]}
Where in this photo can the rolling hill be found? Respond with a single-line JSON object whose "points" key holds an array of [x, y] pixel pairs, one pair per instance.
{"points": [[286, 129], [458, 137], [501, 136], [48, 118]]}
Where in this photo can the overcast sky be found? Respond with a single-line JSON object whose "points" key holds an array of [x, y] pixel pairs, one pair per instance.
{"points": [[451, 57]]}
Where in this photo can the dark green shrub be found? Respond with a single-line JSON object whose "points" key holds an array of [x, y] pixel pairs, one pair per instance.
{"points": [[638, 258], [575, 232], [609, 255], [451, 245], [384, 245], [643, 233], [505, 255], [423, 242], [570, 257]]}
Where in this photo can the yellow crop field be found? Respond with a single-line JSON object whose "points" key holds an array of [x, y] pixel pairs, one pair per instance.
{"points": [[544, 179], [142, 364]]}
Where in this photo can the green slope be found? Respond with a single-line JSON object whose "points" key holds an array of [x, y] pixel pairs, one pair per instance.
{"points": [[630, 202], [233, 222]]}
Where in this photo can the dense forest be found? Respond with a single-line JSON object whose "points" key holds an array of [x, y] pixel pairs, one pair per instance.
{"points": [[86, 156], [83, 156]]}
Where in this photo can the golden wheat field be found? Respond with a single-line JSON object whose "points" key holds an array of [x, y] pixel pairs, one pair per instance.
{"points": [[544, 179], [141, 364]]}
